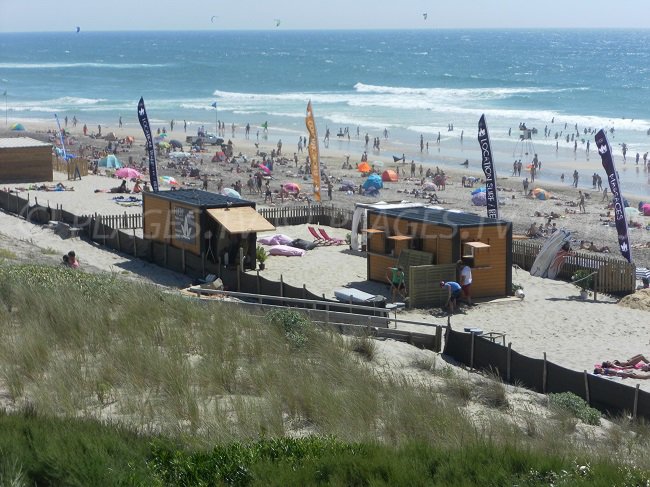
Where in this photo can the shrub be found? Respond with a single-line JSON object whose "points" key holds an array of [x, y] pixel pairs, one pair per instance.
{"points": [[261, 254], [295, 325], [568, 401], [583, 279]]}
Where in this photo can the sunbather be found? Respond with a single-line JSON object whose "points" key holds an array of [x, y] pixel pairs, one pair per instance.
{"points": [[625, 374], [638, 362]]}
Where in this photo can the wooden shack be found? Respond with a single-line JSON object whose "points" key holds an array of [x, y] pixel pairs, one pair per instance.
{"points": [[25, 160], [204, 223], [438, 238]]}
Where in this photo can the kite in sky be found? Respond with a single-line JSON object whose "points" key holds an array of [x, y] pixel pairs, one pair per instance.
{"points": [[78, 29], [425, 15], [277, 22], [212, 19]]}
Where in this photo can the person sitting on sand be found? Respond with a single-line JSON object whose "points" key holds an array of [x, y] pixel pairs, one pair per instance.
{"points": [[532, 232], [591, 247], [121, 188], [137, 188]]}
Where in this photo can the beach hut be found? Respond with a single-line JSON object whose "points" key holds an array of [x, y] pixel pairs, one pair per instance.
{"points": [[209, 225], [25, 160], [389, 176], [427, 242]]}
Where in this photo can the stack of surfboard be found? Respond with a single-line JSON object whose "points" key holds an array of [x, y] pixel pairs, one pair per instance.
{"points": [[547, 254]]}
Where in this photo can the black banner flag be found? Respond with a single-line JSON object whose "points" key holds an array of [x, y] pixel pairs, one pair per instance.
{"points": [[151, 150], [605, 151], [488, 169]]}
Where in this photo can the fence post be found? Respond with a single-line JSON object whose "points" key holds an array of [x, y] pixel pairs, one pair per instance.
{"points": [[587, 388], [119, 246], [544, 375], [183, 260], [596, 287], [471, 352], [135, 245], [508, 359], [259, 286], [636, 401], [438, 345]]}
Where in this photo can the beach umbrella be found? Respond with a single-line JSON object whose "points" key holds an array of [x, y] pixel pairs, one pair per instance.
{"points": [[168, 180], [175, 143], [110, 162], [479, 199], [364, 167], [128, 173], [541, 194], [230, 192], [292, 187], [17, 126], [264, 168]]}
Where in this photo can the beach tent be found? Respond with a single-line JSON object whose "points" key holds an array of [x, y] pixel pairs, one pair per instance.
{"points": [[373, 182], [631, 213], [389, 176], [429, 186], [292, 187], [364, 167], [479, 190], [646, 209], [110, 162], [360, 219], [17, 126]]}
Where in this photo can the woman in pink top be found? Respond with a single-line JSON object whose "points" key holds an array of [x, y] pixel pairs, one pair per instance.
{"points": [[72, 260]]}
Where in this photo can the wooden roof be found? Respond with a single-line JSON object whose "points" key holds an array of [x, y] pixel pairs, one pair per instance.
{"points": [[243, 219]]}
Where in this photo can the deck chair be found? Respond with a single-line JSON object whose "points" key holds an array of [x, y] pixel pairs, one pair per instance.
{"points": [[317, 238], [331, 240]]}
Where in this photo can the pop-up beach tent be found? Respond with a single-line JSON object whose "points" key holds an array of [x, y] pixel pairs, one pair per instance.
{"points": [[389, 176], [110, 162]]}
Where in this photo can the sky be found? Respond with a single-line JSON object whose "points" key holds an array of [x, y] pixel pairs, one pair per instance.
{"points": [[112, 15]]}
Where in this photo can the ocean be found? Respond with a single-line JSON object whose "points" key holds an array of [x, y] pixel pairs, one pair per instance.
{"points": [[411, 83]]}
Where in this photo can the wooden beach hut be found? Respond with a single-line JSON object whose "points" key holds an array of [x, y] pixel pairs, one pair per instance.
{"points": [[427, 242], [204, 223], [25, 160]]}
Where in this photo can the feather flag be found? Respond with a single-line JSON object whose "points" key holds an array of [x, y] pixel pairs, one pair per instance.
{"points": [[144, 123], [605, 151], [488, 169], [312, 147]]}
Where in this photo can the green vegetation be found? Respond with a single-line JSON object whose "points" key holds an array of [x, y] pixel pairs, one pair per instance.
{"points": [[584, 279], [112, 382], [6, 254], [569, 402]]}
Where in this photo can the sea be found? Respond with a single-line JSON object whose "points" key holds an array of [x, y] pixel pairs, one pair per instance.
{"points": [[411, 84]]}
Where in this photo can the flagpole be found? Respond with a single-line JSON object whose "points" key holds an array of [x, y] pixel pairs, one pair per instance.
{"points": [[5, 108], [216, 119]]}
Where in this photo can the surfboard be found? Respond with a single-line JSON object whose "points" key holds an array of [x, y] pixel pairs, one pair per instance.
{"points": [[548, 252]]}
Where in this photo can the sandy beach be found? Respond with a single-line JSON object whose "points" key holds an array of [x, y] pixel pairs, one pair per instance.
{"points": [[573, 333]]}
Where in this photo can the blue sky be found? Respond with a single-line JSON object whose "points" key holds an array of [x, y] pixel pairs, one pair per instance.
{"points": [[64, 15]]}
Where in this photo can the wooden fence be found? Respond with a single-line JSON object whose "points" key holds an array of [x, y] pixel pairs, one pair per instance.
{"points": [[126, 221], [317, 214], [615, 275], [70, 167]]}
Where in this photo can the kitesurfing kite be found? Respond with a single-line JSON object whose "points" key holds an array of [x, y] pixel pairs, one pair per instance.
{"points": [[277, 22], [212, 19], [78, 29], [425, 15]]}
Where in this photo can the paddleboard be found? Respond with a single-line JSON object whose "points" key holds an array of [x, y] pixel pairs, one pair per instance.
{"points": [[548, 252]]}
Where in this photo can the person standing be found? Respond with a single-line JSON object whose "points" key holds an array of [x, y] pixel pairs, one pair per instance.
{"points": [[581, 202], [525, 183], [465, 280]]}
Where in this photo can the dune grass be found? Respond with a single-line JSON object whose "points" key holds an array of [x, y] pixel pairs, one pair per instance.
{"points": [[79, 347]]}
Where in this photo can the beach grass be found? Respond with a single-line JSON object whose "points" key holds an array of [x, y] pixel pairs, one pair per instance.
{"points": [[80, 347]]}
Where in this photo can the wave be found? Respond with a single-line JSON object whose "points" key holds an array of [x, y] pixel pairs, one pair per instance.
{"points": [[470, 93], [79, 65]]}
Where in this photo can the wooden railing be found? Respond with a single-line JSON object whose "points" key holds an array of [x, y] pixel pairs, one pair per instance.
{"points": [[70, 167]]}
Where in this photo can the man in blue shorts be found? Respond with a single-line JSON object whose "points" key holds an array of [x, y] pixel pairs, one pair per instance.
{"points": [[453, 291]]}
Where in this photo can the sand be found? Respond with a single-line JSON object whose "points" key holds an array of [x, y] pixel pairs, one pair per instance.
{"points": [[574, 333]]}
